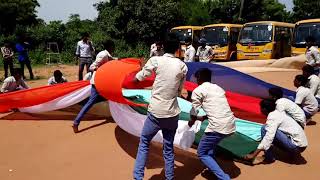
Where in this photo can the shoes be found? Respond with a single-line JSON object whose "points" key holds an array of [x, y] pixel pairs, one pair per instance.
{"points": [[75, 129], [262, 160]]}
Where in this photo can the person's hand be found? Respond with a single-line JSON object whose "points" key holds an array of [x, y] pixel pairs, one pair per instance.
{"points": [[249, 157]]}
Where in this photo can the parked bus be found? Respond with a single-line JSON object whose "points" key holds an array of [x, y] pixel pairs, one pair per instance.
{"points": [[265, 40], [223, 39], [185, 32], [303, 29]]}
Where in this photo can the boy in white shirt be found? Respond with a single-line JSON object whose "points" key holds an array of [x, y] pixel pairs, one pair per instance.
{"points": [[57, 78], [281, 131], [14, 83], [287, 106], [190, 53], [312, 54], [204, 53], [314, 80], [213, 100], [304, 97], [103, 57]]}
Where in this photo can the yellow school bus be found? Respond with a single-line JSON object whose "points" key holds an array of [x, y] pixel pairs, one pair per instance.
{"points": [[223, 39], [302, 30], [265, 40], [185, 32]]}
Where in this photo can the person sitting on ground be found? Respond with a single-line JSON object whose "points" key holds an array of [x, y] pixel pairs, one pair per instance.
{"points": [[305, 98], [281, 131], [287, 106], [190, 53], [204, 53], [313, 54], [158, 51], [213, 100], [57, 78], [314, 81], [14, 82], [102, 57]]}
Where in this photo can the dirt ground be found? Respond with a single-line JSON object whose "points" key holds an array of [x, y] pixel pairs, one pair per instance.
{"points": [[43, 147]]}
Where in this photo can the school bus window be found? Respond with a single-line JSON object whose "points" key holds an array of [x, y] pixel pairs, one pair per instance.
{"points": [[256, 34], [216, 35], [305, 30], [183, 34]]}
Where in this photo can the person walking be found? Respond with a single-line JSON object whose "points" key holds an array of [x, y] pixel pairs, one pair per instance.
{"points": [[84, 53]]}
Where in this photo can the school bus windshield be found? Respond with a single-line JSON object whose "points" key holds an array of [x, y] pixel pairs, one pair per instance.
{"points": [[182, 34], [303, 31], [256, 34], [216, 35]]}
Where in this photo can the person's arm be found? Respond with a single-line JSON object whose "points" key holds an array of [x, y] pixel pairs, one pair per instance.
{"points": [[78, 50], [24, 85], [271, 129], [5, 86], [197, 99], [147, 70], [184, 72], [197, 54], [11, 53], [316, 56], [151, 53], [313, 86], [299, 98], [2, 52], [192, 54], [50, 81], [92, 47]]}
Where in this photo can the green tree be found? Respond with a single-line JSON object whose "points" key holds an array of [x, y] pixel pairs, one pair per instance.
{"points": [[306, 9], [15, 12]]}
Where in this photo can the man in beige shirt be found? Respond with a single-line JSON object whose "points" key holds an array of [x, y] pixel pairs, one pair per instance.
{"points": [[14, 83], [213, 100], [163, 110]]}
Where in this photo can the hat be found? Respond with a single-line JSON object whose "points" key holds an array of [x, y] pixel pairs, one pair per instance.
{"points": [[202, 40]]}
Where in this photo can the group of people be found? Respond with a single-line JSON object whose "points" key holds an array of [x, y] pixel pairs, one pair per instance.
{"points": [[284, 128], [204, 53]]}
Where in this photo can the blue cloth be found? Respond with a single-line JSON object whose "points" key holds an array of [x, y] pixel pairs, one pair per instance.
{"points": [[283, 142], [206, 152], [22, 52], [93, 99], [234, 81], [151, 126]]}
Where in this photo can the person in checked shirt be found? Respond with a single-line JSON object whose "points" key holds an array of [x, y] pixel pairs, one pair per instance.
{"points": [[163, 110]]}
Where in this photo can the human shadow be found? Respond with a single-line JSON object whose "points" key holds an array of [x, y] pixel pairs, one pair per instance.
{"points": [[96, 125], [187, 164], [312, 123], [282, 156]]}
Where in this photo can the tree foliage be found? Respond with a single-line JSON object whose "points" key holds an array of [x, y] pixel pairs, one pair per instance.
{"points": [[15, 12], [306, 9]]}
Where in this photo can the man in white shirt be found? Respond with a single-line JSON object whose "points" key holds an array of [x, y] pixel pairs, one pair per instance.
{"points": [[84, 53], [313, 54], [158, 50], [287, 106], [57, 78], [190, 53], [305, 98], [281, 131], [163, 110], [213, 100], [204, 53], [14, 83], [103, 57], [314, 81]]}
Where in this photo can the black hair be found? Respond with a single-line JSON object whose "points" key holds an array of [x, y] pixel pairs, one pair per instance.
{"points": [[303, 80], [307, 68], [204, 75], [57, 73], [276, 92], [85, 34], [268, 105], [188, 40], [158, 43], [107, 44], [172, 44], [310, 39], [17, 71]]}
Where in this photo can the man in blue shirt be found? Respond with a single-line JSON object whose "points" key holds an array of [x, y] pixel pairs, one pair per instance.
{"points": [[23, 57]]}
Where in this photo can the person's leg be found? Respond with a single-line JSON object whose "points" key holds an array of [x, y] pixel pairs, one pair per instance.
{"points": [[150, 129], [11, 66], [81, 68], [92, 100], [5, 66], [22, 69], [88, 64], [28, 64], [169, 127], [206, 148]]}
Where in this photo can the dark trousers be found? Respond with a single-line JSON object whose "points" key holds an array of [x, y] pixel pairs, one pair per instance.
{"points": [[8, 64], [28, 64], [82, 63]]}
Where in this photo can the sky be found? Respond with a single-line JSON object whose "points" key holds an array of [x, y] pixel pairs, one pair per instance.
{"points": [[51, 10]]}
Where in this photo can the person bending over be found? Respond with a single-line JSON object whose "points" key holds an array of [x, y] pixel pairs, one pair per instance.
{"points": [[14, 83]]}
